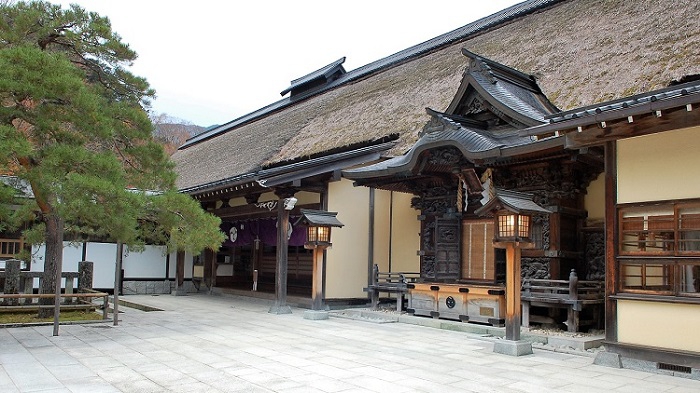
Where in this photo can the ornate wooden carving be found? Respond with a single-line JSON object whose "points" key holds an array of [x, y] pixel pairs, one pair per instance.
{"points": [[428, 236], [557, 180], [427, 267], [444, 156], [595, 255], [543, 222], [252, 198], [535, 268], [435, 201], [475, 104], [447, 253]]}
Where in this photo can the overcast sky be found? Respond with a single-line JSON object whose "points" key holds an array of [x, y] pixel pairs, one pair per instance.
{"points": [[212, 61]]}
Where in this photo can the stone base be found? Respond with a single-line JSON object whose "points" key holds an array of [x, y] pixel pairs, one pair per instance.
{"points": [[513, 348], [315, 314], [280, 309], [180, 291], [608, 359]]}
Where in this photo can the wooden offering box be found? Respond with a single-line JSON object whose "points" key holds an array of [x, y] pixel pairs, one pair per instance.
{"points": [[463, 302]]}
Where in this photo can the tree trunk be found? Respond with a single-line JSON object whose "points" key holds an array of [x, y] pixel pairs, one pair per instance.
{"points": [[53, 258]]}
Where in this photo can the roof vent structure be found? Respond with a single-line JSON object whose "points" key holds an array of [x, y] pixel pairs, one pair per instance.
{"points": [[316, 80]]}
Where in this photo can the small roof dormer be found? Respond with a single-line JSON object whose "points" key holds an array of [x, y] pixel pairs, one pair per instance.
{"points": [[499, 96], [302, 87]]}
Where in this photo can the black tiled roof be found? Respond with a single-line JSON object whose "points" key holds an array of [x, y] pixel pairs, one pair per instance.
{"points": [[325, 72]]}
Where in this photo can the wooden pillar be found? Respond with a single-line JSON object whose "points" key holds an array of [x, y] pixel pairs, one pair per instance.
{"points": [[117, 282], [280, 306], [214, 267], [555, 245], [610, 241], [317, 284], [513, 310], [180, 273], [206, 274]]}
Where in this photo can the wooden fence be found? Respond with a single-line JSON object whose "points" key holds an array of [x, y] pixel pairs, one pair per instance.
{"points": [[18, 290]]}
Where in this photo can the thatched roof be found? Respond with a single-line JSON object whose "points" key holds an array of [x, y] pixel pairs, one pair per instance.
{"points": [[581, 51]]}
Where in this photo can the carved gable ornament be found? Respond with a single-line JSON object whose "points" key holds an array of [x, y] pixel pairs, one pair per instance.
{"points": [[497, 95]]}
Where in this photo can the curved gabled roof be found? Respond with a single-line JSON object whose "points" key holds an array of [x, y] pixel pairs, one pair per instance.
{"points": [[512, 92], [474, 144]]}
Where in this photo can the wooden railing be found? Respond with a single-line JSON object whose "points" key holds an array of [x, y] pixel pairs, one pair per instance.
{"points": [[18, 290], [83, 301], [572, 295], [389, 282]]}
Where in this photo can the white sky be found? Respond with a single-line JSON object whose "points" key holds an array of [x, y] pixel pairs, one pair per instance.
{"points": [[212, 61]]}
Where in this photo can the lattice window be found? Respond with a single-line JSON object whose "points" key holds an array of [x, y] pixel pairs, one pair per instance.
{"points": [[478, 255]]}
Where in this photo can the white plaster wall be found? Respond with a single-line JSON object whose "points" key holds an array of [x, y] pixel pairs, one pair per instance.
{"points": [[147, 264]]}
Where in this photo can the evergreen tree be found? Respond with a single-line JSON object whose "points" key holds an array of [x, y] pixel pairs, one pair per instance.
{"points": [[74, 126]]}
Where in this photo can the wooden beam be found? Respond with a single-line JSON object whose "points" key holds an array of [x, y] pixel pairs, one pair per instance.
{"points": [[642, 125]]}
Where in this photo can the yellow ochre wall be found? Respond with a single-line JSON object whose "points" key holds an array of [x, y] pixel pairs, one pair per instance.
{"points": [[405, 235], [396, 234], [594, 200], [382, 228], [656, 324], [346, 263], [659, 166], [654, 168]]}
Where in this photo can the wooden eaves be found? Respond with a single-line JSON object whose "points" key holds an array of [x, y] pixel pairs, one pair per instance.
{"points": [[657, 111]]}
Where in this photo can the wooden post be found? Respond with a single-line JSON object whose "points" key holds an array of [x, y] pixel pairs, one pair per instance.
{"points": [[374, 294], [12, 269], [214, 268], [512, 292], [69, 288], [207, 268], [117, 282], [317, 285], [180, 273], [280, 306], [57, 256], [28, 287], [610, 241], [572, 321]]}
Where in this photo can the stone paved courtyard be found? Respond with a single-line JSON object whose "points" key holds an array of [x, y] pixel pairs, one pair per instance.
{"points": [[202, 343]]}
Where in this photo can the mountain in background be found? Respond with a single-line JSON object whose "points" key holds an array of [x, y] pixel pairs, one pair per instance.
{"points": [[172, 132]]}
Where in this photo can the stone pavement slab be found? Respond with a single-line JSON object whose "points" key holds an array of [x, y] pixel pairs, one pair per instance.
{"points": [[201, 343]]}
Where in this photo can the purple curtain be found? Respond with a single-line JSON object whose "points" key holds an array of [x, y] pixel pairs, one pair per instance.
{"points": [[243, 233]]}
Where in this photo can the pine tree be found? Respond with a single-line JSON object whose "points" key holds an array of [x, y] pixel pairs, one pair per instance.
{"points": [[74, 126]]}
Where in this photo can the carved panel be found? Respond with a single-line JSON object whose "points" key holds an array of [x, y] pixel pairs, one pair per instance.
{"points": [[444, 156], [428, 236], [447, 255], [556, 180], [535, 268], [435, 201], [542, 221], [427, 267], [474, 105], [595, 255]]}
